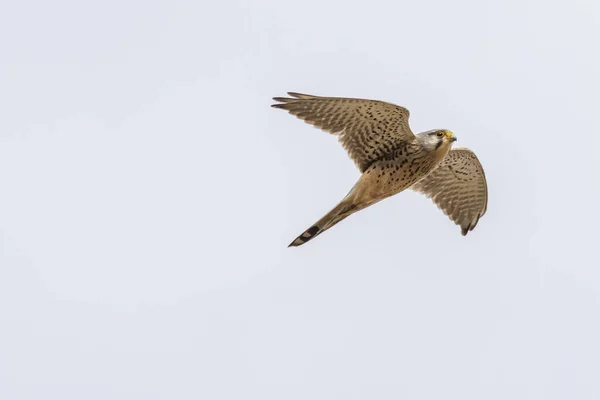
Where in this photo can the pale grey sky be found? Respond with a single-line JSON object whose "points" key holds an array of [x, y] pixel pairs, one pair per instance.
{"points": [[148, 193]]}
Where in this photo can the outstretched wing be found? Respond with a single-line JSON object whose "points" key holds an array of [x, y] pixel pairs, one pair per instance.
{"points": [[458, 187], [368, 129]]}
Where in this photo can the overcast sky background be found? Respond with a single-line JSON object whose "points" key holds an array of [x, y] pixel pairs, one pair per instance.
{"points": [[148, 193]]}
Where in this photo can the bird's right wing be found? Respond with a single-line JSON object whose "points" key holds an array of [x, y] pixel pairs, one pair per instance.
{"points": [[368, 129], [458, 187]]}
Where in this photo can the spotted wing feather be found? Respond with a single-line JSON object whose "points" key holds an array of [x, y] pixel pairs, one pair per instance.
{"points": [[367, 129], [458, 187]]}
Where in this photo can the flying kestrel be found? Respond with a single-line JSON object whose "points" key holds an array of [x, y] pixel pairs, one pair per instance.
{"points": [[391, 158]]}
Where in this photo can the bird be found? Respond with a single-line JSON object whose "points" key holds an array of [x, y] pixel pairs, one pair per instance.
{"points": [[391, 158]]}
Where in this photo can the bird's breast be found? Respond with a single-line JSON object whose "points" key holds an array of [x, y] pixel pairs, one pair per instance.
{"points": [[388, 177]]}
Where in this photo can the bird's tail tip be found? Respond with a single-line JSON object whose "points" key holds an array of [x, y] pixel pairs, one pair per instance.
{"points": [[305, 236], [344, 209]]}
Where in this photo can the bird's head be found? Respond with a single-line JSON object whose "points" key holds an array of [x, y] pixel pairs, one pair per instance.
{"points": [[437, 140]]}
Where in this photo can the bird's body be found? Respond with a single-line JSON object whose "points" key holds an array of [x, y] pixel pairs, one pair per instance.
{"points": [[377, 136], [398, 171]]}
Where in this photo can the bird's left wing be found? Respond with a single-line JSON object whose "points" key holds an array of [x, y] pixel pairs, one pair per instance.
{"points": [[368, 129], [458, 187]]}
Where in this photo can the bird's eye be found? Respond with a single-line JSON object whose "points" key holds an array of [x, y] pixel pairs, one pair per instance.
{"points": [[439, 134]]}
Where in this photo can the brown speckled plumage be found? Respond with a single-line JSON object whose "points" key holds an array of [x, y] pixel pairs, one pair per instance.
{"points": [[368, 129], [458, 187], [378, 138]]}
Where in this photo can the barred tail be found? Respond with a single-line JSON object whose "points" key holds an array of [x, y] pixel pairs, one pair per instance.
{"points": [[344, 209]]}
